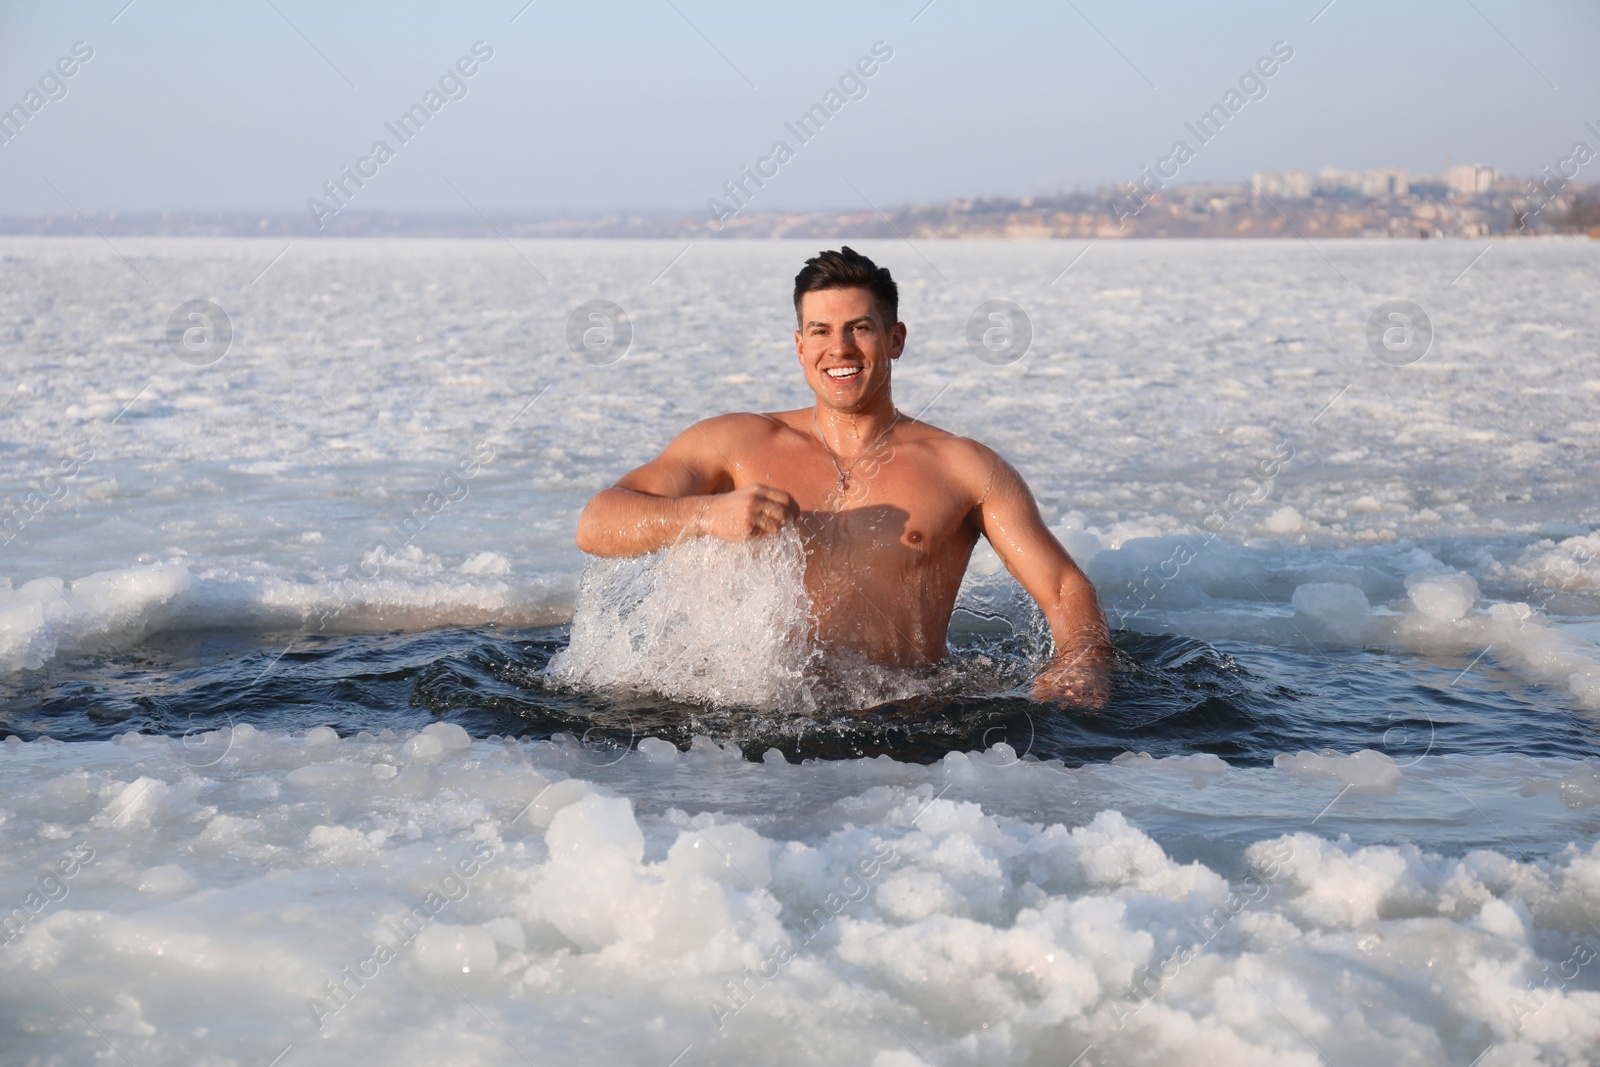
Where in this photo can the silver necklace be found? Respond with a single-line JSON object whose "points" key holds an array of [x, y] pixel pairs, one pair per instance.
{"points": [[844, 472]]}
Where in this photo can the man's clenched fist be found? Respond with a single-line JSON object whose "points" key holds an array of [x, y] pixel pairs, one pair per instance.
{"points": [[747, 513]]}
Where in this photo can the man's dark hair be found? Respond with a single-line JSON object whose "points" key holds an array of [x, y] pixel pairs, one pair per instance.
{"points": [[848, 269]]}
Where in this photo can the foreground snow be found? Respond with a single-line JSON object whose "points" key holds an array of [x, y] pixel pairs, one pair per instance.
{"points": [[423, 899]]}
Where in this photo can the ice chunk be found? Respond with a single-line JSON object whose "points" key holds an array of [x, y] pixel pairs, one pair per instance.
{"points": [[553, 798], [657, 750], [423, 749], [1286, 520], [322, 735], [1443, 597], [507, 933], [486, 563], [589, 889], [1333, 611], [1581, 788], [133, 805], [48, 615], [595, 829], [729, 853], [435, 741], [169, 879], [1364, 772]]}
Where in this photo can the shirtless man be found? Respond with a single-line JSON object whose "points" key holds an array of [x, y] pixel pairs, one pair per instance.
{"points": [[887, 506]]}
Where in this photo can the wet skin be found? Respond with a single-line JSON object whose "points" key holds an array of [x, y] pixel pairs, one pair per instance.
{"points": [[888, 507]]}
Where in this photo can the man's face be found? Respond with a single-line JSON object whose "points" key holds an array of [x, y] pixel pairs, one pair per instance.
{"points": [[845, 347]]}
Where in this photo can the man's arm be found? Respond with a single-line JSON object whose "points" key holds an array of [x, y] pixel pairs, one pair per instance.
{"points": [[1009, 518], [686, 491]]}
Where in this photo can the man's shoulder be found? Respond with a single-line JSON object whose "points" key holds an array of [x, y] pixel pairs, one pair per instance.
{"points": [[950, 447], [962, 460], [969, 463], [739, 424]]}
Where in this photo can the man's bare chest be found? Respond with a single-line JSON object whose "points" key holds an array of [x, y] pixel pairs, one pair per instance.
{"points": [[892, 506]]}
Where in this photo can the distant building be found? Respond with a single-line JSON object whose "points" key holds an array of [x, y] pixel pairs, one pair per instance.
{"points": [[1282, 185], [1429, 186], [1331, 181], [1389, 181], [1469, 179], [1372, 184]]}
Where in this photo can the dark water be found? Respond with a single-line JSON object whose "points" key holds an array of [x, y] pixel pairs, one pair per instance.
{"points": [[1245, 703]]}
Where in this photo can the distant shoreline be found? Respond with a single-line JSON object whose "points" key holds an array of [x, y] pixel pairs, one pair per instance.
{"points": [[979, 238], [1189, 212]]}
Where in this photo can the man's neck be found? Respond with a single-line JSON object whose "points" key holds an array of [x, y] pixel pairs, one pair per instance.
{"points": [[849, 432]]}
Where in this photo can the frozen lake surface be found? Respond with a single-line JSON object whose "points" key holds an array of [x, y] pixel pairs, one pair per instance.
{"points": [[287, 773]]}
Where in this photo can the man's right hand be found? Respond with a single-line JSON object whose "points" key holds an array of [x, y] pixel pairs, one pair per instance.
{"points": [[746, 513], [683, 493]]}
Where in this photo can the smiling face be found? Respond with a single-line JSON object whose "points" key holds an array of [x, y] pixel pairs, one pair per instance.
{"points": [[846, 349]]}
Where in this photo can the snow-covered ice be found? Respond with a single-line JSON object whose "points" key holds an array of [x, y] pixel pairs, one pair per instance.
{"points": [[399, 439], [424, 899]]}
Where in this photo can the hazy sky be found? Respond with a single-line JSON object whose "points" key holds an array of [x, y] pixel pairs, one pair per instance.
{"points": [[253, 104]]}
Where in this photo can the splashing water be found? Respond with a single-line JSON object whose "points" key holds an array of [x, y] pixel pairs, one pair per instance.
{"points": [[701, 621], [731, 625]]}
